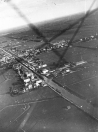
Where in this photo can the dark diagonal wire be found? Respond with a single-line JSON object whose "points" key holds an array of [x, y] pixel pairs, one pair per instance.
{"points": [[35, 29], [68, 28], [32, 26], [77, 30]]}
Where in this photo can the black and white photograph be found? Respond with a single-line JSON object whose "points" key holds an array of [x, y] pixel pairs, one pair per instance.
{"points": [[48, 65]]}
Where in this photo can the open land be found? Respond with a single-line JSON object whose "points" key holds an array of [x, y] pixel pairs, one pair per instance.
{"points": [[44, 109]]}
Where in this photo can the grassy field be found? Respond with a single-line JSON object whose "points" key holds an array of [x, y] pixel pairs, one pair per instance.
{"points": [[48, 111]]}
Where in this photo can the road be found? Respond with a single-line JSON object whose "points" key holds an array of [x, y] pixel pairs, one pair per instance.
{"points": [[78, 102]]}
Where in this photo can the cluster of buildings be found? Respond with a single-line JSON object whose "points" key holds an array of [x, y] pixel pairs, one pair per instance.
{"points": [[29, 54], [5, 58], [92, 37], [56, 45], [64, 43], [30, 59], [32, 81]]}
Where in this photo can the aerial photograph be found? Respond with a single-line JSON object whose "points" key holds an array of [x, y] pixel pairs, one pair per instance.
{"points": [[48, 65]]}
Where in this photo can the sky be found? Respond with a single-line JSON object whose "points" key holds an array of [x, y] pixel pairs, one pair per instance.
{"points": [[39, 10]]}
